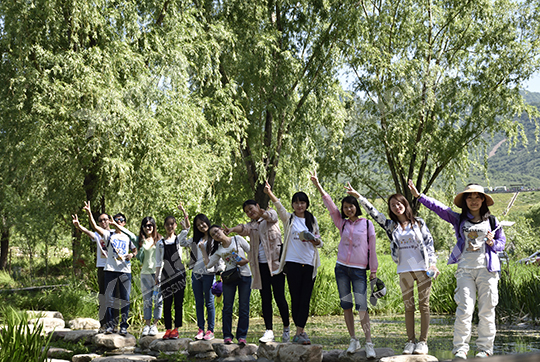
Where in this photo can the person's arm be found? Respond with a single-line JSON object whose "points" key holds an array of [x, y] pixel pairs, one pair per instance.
{"points": [[159, 259], [78, 225], [270, 215], [95, 226], [317, 242], [209, 261], [315, 180], [436, 206], [379, 217], [239, 229], [132, 237], [373, 260], [282, 212], [185, 222], [498, 241]]}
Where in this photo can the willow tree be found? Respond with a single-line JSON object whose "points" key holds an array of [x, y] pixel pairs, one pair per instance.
{"points": [[432, 79], [96, 106], [277, 64]]}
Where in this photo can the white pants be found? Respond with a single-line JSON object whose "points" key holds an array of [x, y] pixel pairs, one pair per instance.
{"points": [[469, 281]]}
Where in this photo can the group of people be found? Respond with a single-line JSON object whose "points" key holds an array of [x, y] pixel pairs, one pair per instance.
{"points": [[274, 256]]}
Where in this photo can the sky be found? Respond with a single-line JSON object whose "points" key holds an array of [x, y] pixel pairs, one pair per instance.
{"points": [[533, 85]]}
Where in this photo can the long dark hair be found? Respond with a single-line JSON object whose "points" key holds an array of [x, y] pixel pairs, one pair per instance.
{"points": [[409, 214], [484, 209], [211, 247], [353, 201], [310, 219], [154, 234]]}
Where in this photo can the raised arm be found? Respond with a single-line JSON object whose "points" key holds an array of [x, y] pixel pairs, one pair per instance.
{"points": [[268, 190], [380, 218], [185, 222], [315, 180], [78, 225], [97, 228]]}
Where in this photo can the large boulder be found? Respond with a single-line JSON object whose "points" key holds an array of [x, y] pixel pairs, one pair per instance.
{"points": [[74, 336], [289, 352], [234, 350], [269, 351], [83, 323], [409, 358], [114, 341], [84, 357], [144, 342], [54, 352], [170, 345], [49, 324]]}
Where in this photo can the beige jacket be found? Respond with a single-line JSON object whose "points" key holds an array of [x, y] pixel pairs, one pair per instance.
{"points": [[265, 232]]}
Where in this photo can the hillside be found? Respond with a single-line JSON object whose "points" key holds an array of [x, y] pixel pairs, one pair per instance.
{"points": [[520, 166]]}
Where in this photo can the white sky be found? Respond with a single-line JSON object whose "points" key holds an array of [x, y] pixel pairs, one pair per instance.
{"points": [[533, 85]]}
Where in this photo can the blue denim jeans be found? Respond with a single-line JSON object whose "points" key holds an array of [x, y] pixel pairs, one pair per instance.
{"points": [[122, 282], [347, 276], [147, 290], [201, 284], [244, 292]]}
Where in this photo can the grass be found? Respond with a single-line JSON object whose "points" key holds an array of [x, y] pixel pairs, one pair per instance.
{"points": [[522, 204]]}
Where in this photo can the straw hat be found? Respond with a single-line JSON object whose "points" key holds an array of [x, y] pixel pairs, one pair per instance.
{"points": [[458, 200]]}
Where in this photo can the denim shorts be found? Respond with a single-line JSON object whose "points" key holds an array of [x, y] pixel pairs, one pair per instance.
{"points": [[345, 276]]}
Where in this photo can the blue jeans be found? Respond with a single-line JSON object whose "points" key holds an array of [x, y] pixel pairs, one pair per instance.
{"points": [[117, 281], [201, 284], [147, 290], [345, 276], [244, 292]]}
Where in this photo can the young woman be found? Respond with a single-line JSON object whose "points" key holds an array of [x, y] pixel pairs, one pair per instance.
{"points": [[201, 277], [412, 250], [233, 251], [478, 265], [265, 248], [146, 241], [171, 273], [300, 257], [356, 251]]}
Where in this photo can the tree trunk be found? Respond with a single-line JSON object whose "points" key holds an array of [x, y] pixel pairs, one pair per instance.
{"points": [[4, 246]]}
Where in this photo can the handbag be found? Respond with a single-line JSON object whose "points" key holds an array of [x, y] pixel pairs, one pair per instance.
{"points": [[232, 275]]}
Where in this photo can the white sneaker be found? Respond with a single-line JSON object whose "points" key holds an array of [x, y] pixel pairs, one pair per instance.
{"points": [[421, 348], [370, 351], [153, 330], [482, 354], [353, 346], [286, 337], [460, 355], [145, 330], [268, 336], [409, 347]]}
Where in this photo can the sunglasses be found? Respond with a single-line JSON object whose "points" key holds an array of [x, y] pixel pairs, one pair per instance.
{"points": [[119, 219], [149, 226]]}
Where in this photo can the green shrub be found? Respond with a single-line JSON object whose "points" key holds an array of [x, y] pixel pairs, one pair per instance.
{"points": [[19, 341]]}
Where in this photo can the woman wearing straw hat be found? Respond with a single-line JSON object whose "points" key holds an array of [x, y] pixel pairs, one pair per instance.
{"points": [[478, 264]]}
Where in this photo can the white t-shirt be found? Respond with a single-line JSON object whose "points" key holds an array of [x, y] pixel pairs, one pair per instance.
{"points": [[299, 251], [199, 266], [410, 255], [117, 247], [474, 251], [101, 251], [228, 258]]}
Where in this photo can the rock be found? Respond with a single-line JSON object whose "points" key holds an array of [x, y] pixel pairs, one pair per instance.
{"points": [[74, 336], [331, 356], [83, 323], [289, 352], [170, 345], [203, 346], [237, 359], [54, 352], [360, 355], [49, 324], [32, 314], [205, 355], [114, 341], [410, 358], [145, 341], [234, 350], [84, 357], [125, 358], [269, 351]]}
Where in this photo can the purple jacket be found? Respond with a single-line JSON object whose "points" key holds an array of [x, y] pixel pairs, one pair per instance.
{"points": [[499, 240]]}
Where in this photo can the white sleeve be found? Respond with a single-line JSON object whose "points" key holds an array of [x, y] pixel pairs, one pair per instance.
{"points": [[159, 253]]}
